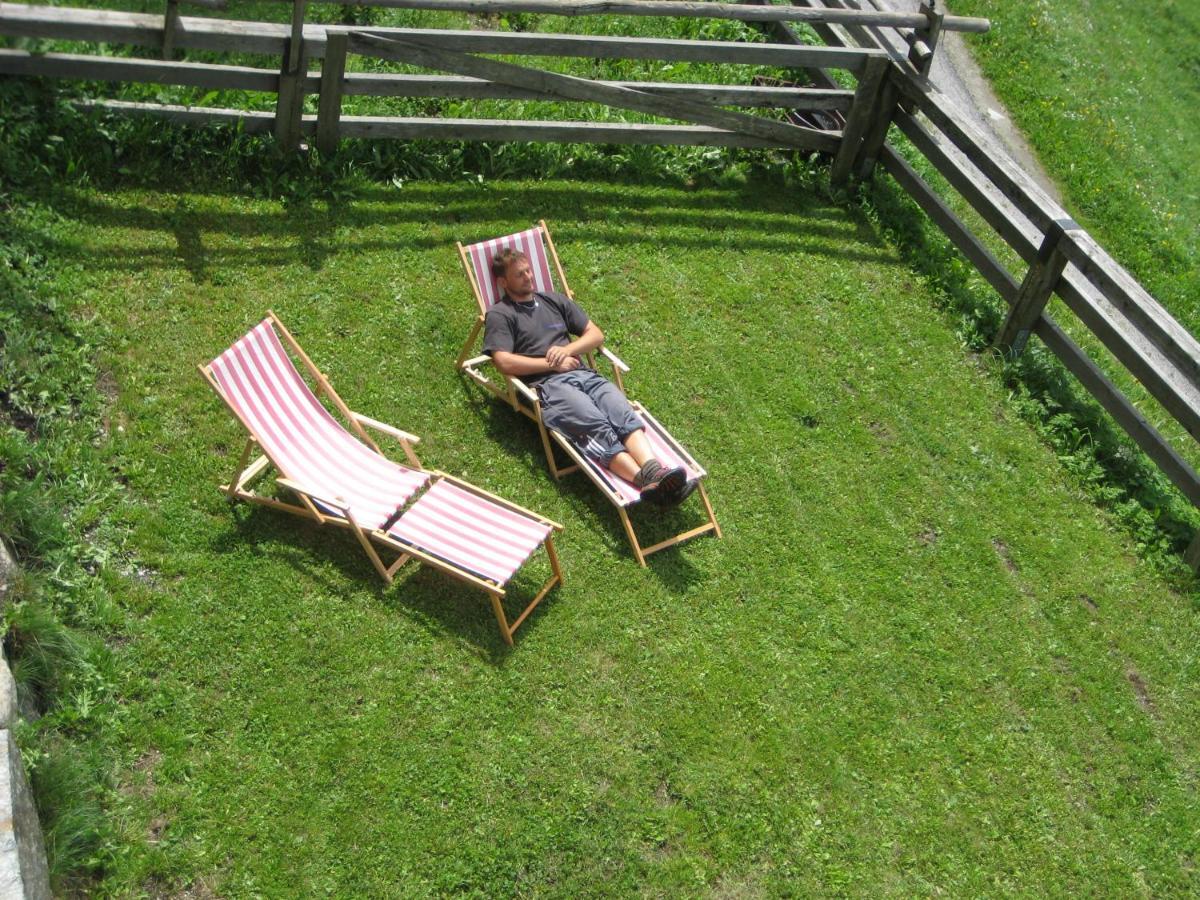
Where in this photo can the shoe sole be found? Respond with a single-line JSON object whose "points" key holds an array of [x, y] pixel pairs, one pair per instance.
{"points": [[689, 488], [674, 481], [663, 492]]}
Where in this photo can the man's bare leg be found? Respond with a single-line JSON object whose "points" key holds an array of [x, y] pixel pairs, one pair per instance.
{"points": [[630, 464], [624, 466], [638, 446], [637, 453]]}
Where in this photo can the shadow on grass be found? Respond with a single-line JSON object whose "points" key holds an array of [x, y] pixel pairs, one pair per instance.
{"points": [[443, 605], [788, 221], [520, 440], [1104, 460]]}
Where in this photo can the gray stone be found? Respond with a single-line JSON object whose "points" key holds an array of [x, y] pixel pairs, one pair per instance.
{"points": [[8, 572], [23, 871], [8, 695]]}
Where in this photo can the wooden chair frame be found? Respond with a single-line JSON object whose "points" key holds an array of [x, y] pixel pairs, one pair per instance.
{"points": [[524, 400], [250, 471]]}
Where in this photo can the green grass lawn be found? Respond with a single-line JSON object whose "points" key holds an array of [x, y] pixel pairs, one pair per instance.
{"points": [[1107, 93], [920, 660]]}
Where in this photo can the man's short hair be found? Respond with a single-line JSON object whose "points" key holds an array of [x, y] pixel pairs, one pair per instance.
{"points": [[505, 258]]}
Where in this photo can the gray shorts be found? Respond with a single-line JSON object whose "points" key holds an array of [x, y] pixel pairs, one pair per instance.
{"points": [[588, 409]]}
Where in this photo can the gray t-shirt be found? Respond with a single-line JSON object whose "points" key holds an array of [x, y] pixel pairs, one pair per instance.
{"points": [[532, 328]]}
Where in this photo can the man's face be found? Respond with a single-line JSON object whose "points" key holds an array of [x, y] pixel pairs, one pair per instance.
{"points": [[518, 279]]}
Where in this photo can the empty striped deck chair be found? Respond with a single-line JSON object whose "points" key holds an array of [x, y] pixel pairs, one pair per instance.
{"points": [[538, 245], [341, 478]]}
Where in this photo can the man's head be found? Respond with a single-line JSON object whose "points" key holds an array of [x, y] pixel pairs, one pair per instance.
{"points": [[513, 273]]}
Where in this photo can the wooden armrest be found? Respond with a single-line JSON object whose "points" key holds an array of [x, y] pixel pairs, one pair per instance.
{"points": [[399, 435], [613, 358], [523, 389], [476, 361]]}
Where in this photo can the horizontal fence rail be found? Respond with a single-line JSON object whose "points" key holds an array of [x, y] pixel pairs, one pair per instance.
{"points": [[195, 33], [419, 128], [85, 67], [682, 9]]}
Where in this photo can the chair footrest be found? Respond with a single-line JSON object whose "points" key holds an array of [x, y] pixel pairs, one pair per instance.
{"points": [[470, 531]]}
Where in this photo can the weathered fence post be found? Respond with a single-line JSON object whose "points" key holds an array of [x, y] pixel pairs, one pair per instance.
{"points": [[922, 42], [1035, 291], [886, 104], [869, 83], [925, 40], [329, 110], [290, 106], [170, 23]]}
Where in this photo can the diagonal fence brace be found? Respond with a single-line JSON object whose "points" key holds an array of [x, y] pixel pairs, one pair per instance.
{"points": [[414, 51]]}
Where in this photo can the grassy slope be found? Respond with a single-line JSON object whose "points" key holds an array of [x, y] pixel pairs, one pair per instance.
{"points": [[1107, 92], [916, 661]]}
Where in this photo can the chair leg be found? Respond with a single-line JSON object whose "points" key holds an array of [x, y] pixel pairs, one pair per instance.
{"points": [[235, 483], [370, 550], [498, 609], [708, 506], [547, 445], [633, 541], [395, 567], [466, 350], [554, 566], [554, 580]]}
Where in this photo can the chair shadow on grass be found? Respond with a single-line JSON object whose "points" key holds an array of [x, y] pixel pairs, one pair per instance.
{"points": [[442, 605], [519, 438]]}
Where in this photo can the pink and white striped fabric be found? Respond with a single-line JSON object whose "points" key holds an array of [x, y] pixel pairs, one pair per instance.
{"points": [[470, 531], [528, 242], [664, 451], [309, 446]]}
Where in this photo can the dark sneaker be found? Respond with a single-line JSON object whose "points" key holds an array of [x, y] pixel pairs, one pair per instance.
{"points": [[672, 481], [664, 485], [689, 488], [648, 475]]}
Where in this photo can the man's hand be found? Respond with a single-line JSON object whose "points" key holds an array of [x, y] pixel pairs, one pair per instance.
{"points": [[565, 364], [556, 357]]}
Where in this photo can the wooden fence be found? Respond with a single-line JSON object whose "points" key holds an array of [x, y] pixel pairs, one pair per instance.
{"points": [[891, 90], [298, 44], [1062, 258]]}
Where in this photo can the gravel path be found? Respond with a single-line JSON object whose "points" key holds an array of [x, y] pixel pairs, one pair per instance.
{"points": [[958, 76]]}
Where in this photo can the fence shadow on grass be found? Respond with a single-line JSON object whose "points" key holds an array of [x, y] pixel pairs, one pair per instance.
{"points": [[1067, 418], [305, 232]]}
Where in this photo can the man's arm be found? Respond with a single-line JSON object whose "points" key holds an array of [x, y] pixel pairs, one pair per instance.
{"points": [[591, 338], [516, 365]]}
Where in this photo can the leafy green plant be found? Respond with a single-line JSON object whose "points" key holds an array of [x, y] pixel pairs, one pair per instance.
{"points": [[52, 484]]}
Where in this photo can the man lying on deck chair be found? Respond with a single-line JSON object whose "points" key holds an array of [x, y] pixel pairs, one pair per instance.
{"points": [[527, 335]]}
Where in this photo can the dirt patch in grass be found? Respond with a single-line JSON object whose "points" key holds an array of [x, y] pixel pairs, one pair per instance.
{"points": [[1141, 690], [1005, 554], [158, 826]]}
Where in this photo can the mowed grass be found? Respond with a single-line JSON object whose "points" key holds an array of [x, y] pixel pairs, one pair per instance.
{"points": [[918, 661], [1107, 93]]}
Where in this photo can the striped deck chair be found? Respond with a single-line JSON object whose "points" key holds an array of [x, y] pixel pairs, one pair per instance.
{"points": [[538, 245], [341, 478]]}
